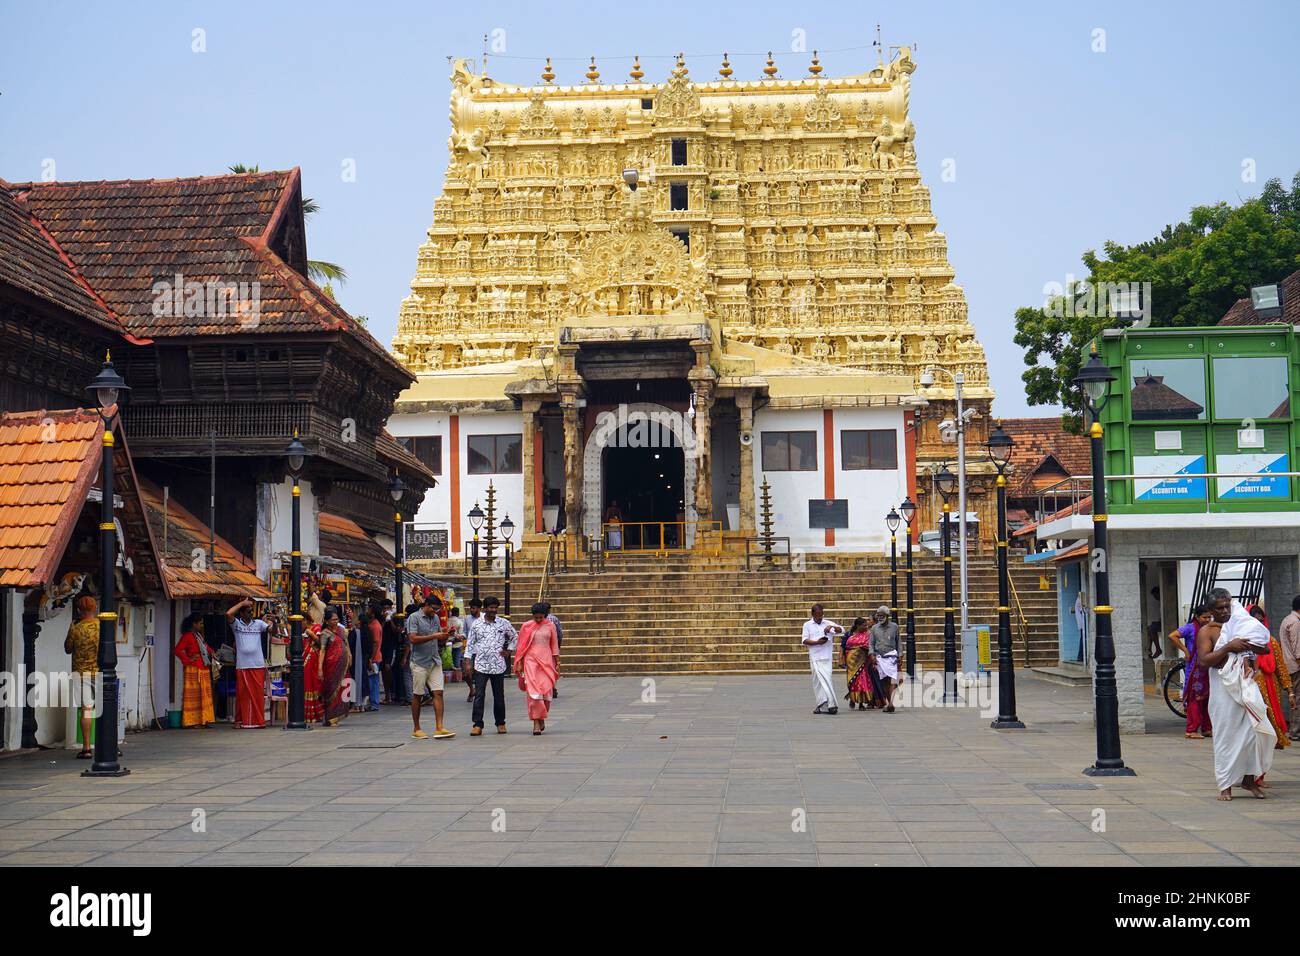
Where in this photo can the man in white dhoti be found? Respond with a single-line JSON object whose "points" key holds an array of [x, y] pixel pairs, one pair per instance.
{"points": [[817, 634], [1243, 736]]}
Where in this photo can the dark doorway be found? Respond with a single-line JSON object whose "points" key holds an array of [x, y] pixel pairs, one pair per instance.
{"points": [[647, 484]]}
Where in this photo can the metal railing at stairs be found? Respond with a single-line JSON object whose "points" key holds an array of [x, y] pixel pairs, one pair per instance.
{"points": [[1022, 622]]}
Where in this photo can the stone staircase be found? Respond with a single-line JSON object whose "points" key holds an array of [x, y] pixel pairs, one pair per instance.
{"points": [[708, 615]]}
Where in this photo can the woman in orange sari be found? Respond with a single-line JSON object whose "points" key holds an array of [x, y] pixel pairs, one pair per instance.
{"points": [[1273, 680], [334, 661], [537, 662], [312, 709], [192, 650]]}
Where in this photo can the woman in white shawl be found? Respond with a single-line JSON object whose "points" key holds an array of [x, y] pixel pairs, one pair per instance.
{"points": [[1243, 735]]}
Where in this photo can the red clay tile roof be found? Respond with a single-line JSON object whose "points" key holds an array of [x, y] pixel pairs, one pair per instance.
{"points": [[30, 261], [1243, 313], [128, 236], [178, 535], [344, 539], [1044, 452], [48, 463]]}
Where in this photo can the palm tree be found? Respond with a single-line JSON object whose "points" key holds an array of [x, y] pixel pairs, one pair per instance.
{"points": [[318, 270]]}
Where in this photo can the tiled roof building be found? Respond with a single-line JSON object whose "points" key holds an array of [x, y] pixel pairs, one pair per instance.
{"points": [[1243, 312]]}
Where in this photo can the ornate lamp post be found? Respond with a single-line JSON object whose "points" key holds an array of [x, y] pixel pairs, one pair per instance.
{"points": [[946, 482], [475, 522], [908, 509], [507, 529], [999, 446], [397, 488], [1094, 379], [891, 522], [106, 388], [295, 456]]}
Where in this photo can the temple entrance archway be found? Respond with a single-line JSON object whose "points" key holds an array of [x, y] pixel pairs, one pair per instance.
{"points": [[619, 459]]}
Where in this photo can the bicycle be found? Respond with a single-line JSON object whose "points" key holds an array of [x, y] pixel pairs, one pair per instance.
{"points": [[1173, 690]]}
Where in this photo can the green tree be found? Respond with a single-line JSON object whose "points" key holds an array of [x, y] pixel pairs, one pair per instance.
{"points": [[320, 271], [1196, 269]]}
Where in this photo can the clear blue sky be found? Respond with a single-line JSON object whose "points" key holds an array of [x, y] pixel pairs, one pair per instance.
{"points": [[1057, 147]]}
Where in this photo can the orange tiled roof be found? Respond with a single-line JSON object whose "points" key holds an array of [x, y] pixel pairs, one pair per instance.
{"points": [[343, 538], [31, 262], [1042, 444], [177, 535], [48, 464], [1243, 313], [126, 236]]}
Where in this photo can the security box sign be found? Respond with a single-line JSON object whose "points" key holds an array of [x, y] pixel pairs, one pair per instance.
{"points": [[1262, 464], [1164, 483]]}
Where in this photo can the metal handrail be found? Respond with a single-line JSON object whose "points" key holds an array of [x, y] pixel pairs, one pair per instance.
{"points": [[546, 569], [653, 539], [1021, 619], [1076, 483]]}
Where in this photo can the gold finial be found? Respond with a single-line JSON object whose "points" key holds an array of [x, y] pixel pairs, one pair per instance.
{"points": [[816, 66], [637, 72], [680, 68], [725, 71], [108, 357], [770, 69], [548, 74], [593, 74]]}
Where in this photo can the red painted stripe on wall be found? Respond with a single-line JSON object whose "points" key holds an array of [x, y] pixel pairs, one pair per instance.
{"points": [[455, 545], [828, 440]]}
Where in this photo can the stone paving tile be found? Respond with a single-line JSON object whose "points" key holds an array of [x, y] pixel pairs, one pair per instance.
{"points": [[742, 755]]}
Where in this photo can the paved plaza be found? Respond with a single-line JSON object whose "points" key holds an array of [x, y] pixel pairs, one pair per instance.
{"points": [[718, 771]]}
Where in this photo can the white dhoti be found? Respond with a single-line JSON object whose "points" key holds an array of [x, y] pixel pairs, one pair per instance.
{"points": [[887, 666], [823, 688], [1243, 735]]}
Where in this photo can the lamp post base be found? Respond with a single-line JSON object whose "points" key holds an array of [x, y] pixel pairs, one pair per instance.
{"points": [[1120, 771], [115, 772], [1007, 723]]}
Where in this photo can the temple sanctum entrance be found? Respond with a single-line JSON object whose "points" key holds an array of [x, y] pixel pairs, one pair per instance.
{"points": [[645, 488]]}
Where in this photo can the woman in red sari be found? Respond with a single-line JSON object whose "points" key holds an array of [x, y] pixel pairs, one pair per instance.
{"points": [[192, 650], [537, 662], [312, 709], [334, 661]]}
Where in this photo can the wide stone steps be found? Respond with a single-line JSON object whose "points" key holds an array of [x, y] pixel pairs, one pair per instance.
{"points": [[645, 615]]}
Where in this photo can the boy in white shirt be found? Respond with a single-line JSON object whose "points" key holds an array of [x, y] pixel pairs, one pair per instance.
{"points": [[817, 635]]}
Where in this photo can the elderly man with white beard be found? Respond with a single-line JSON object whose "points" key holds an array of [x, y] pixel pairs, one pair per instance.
{"points": [[1243, 736]]}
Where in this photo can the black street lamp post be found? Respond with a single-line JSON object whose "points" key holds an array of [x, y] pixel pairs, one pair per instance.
{"points": [[1094, 379], [507, 529], [999, 446], [475, 522], [908, 508], [296, 456], [946, 482], [396, 489], [106, 389], [891, 522]]}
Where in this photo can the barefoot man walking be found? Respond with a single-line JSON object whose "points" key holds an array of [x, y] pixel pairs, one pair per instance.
{"points": [[1243, 735]]}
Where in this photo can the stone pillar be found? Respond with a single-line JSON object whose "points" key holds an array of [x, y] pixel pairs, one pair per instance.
{"points": [[745, 404], [529, 467], [703, 379], [572, 463]]}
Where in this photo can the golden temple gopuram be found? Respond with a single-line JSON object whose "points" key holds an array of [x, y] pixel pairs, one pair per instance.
{"points": [[786, 215], [799, 201]]}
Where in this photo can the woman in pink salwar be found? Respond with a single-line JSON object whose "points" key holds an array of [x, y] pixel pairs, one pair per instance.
{"points": [[537, 662]]}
